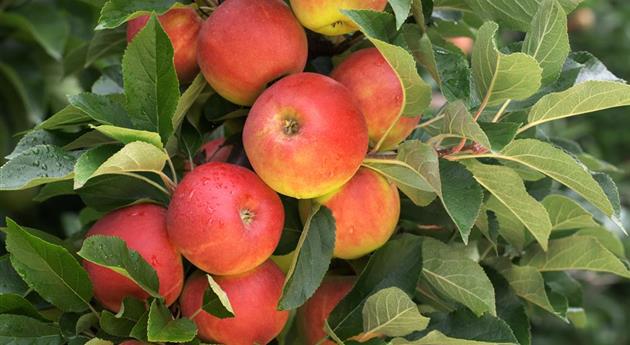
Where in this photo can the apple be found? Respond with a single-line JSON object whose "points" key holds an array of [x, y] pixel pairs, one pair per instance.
{"points": [[253, 295], [213, 151], [240, 57], [312, 315], [182, 26], [366, 211], [305, 136], [224, 219], [583, 19], [325, 17], [143, 228], [132, 342], [464, 43], [379, 94]]}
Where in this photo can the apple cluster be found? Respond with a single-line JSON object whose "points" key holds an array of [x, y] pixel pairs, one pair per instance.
{"points": [[306, 136]]}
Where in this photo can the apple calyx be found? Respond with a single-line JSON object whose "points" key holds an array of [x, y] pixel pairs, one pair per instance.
{"points": [[290, 127]]}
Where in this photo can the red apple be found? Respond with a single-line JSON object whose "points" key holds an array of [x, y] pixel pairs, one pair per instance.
{"points": [[366, 211], [143, 228], [253, 295], [212, 151], [132, 342], [379, 94], [224, 219], [464, 43], [325, 17], [244, 45], [305, 136], [312, 315], [182, 26]]}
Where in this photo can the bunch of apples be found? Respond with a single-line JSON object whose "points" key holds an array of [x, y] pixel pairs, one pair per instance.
{"points": [[306, 136]]}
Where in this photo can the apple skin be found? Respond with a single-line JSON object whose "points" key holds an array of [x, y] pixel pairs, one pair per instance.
{"points": [[465, 44], [305, 136], [325, 17], [143, 228], [240, 57], [132, 342], [212, 151], [312, 315], [224, 219], [254, 296], [366, 211], [377, 90], [182, 26]]}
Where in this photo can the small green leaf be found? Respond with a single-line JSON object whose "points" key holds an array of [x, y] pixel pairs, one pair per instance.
{"points": [[106, 109], [463, 324], [500, 134], [137, 156], [18, 329], [10, 281], [34, 138], [421, 48], [103, 193], [548, 40], [584, 98], [528, 283], [438, 338], [498, 76], [127, 136], [566, 214], [400, 172], [456, 276], [311, 260], [113, 253], [607, 239], [98, 341], [401, 10], [115, 326], [576, 253], [216, 301], [424, 159], [117, 12], [397, 264], [508, 188], [69, 116], [151, 85], [196, 88], [459, 123], [510, 227], [38, 165], [17, 305], [48, 269], [163, 328], [392, 312]]}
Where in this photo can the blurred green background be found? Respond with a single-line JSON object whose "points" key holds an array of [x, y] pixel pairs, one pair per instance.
{"points": [[40, 65]]}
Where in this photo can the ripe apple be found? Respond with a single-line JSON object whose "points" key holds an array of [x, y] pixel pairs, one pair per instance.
{"points": [[182, 26], [254, 297], [212, 151], [366, 211], [244, 45], [379, 94], [132, 342], [305, 136], [325, 17], [312, 315], [464, 43], [143, 228], [224, 219]]}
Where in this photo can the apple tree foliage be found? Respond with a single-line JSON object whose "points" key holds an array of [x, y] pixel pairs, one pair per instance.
{"points": [[495, 214]]}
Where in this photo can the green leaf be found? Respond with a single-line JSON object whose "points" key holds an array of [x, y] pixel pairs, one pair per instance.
{"points": [[456, 276], [398, 263], [400, 172], [113, 325], [22, 330], [151, 85], [455, 74], [576, 253], [48, 269], [106, 43], [292, 227], [587, 97], [69, 116], [127, 136], [463, 324], [401, 10], [498, 76], [311, 260], [99, 341], [34, 138], [510, 227], [10, 281], [103, 193], [508, 188], [515, 14], [421, 48], [11, 303], [459, 123], [461, 195], [106, 109], [424, 159], [510, 308], [438, 338], [113, 253], [416, 92], [137, 156], [560, 166], [117, 12], [391, 312], [163, 328], [216, 301], [548, 40], [196, 88], [566, 214], [500, 134], [607, 239], [528, 283], [38, 165], [45, 23]]}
